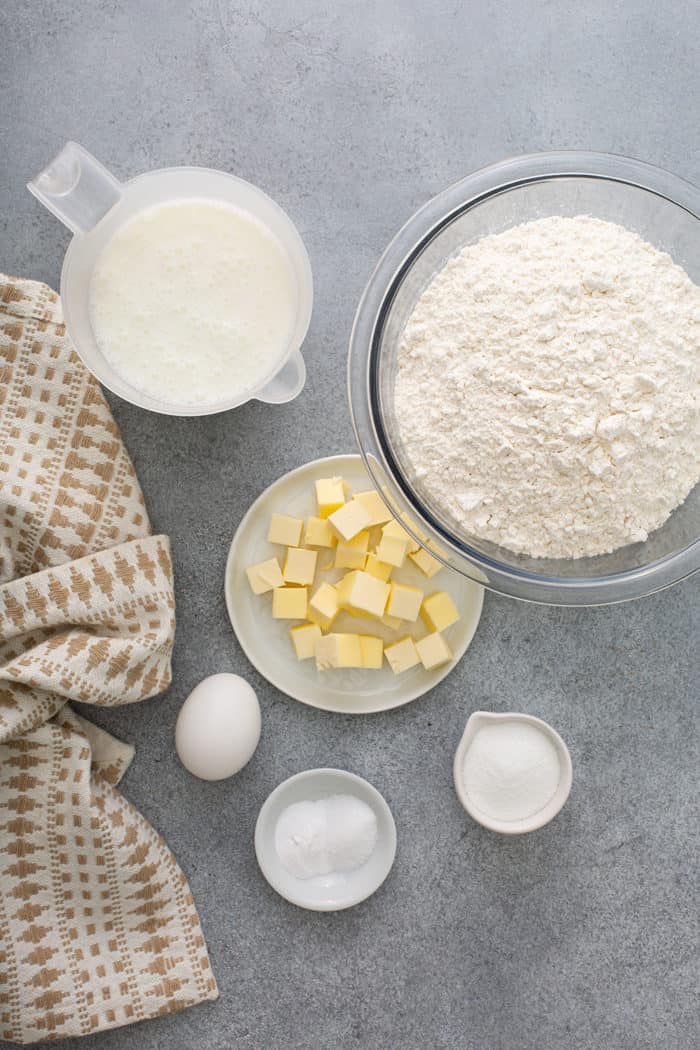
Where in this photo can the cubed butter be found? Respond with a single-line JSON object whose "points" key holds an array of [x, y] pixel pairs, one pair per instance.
{"points": [[285, 530], [393, 528], [402, 655], [265, 576], [439, 611], [372, 651], [404, 601], [330, 494], [289, 603], [352, 554], [392, 549], [433, 651], [318, 533], [362, 593], [304, 638], [338, 650], [375, 567], [349, 519], [392, 622], [300, 566], [375, 507], [425, 562], [323, 606]]}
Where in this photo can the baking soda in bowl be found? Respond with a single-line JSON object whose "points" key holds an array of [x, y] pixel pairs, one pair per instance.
{"points": [[193, 300]]}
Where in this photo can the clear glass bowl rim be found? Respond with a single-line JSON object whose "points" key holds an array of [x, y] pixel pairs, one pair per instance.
{"points": [[376, 299]]}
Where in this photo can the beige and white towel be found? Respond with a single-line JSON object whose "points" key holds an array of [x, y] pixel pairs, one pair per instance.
{"points": [[97, 924]]}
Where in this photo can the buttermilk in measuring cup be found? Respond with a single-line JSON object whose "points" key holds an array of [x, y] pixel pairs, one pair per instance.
{"points": [[192, 299]]}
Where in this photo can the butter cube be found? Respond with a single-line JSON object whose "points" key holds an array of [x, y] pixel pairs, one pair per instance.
{"points": [[304, 638], [349, 519], [330, 494], [433, 651], [264, 576], [375, 506], [285, 530], [393, 528], [323, 606], [439, 611], [402, 655], [299, 566], [393, 622], [352, 554], [338, 650], [392, 549], [404, 601], [425, 562], [372, 651], [318, 533], [375, 567], [361, 593], [289, 603]]}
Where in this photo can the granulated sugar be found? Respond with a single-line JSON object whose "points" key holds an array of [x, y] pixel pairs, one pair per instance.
{"points": [[548, 390]]}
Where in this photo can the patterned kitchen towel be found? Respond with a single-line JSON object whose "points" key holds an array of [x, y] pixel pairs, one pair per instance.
{"points": [[97, 924]]}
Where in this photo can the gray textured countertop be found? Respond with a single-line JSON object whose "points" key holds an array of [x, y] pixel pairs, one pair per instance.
{"points": [[582, 936]]}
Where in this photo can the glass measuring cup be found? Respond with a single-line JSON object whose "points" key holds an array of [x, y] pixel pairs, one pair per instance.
{"points": [[92, 203]]}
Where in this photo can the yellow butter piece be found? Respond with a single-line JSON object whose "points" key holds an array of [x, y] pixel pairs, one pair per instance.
{"points": [[362, 593], [375, 506], [402, 655], [392, 549], [264, 576], [285, 530], [393, 622], [330, 494], [299, 566], [338, 650], [304, 638], [323, 606], [375, 567], [352, 554], [372, 652], [439, 611], [425, 562], [318, 533], [289, 603], [433, 651], [404, 601], [349, 519], [393, 528]]}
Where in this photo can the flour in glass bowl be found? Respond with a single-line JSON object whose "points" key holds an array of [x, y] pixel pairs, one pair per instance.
{"points": [[548, 388]]}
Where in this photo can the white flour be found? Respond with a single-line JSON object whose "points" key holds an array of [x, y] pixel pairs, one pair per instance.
{"points": [[548, 390]]}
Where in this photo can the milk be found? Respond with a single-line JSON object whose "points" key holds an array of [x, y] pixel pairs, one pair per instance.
{"points": [[193, 301]]}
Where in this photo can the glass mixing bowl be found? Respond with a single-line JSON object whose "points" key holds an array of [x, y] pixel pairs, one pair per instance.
{"points": [[662, 209]]}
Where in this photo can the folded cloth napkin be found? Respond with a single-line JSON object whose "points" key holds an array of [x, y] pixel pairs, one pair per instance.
{"points": [[97, 924]]}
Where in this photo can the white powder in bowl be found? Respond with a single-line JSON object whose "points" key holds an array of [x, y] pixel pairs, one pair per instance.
{"points": [[511, 770], [548, 388], [330, 835]]}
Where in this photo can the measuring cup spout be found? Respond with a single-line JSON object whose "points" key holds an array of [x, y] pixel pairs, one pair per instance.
{"points": [[76, 188]]}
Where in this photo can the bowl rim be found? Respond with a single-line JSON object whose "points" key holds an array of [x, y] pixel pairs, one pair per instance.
{"points": [[542, 816], [375, 303]]}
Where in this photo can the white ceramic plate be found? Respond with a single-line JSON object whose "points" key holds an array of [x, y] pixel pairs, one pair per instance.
{"points": [[325, 892], [266, 642]]}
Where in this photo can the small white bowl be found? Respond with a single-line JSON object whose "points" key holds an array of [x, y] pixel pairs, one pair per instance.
{"points": [[542, 816], [341, 889]]}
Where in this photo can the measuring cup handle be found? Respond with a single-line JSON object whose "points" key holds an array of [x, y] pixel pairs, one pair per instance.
{"points": [[76, 188], [288, 382]]}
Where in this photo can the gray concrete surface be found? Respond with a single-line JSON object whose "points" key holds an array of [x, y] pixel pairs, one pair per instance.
{"points": [[583, 936]]}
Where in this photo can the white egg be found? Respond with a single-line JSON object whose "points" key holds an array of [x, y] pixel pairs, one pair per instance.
{"points": [[218, 728]]}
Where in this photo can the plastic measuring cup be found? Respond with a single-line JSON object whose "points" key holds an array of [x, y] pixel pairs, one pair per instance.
{"points": [[94, 205]]}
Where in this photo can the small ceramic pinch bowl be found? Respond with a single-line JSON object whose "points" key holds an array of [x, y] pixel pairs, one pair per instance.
{"points": [[548, 811], [338, 890]]}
